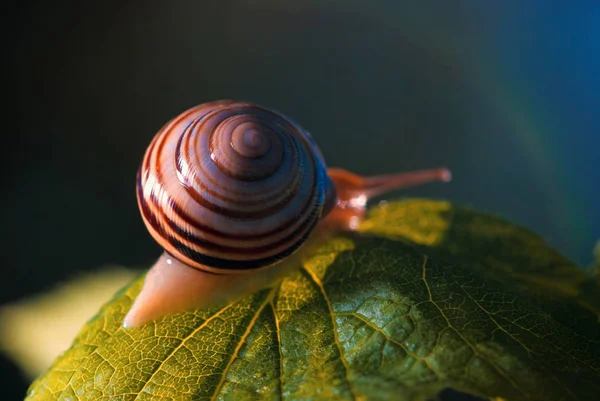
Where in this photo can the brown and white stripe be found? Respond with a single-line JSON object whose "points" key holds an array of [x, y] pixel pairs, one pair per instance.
{"points": [[229, 186]]}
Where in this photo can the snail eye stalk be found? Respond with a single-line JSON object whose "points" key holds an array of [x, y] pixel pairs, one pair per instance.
{"points": [[233, 191]]}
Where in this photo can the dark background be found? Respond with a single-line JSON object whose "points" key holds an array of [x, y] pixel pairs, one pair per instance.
{"points": [[505, 93]]}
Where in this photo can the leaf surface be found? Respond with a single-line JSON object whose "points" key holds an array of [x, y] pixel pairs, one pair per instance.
{"points": [[429, 296]]}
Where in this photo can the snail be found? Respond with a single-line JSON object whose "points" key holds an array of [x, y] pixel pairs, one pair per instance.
{"points": [[233, 191]]}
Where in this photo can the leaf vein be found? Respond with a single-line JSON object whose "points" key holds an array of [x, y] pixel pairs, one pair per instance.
{"points": [[251, 324], [319, 284], [391, 340], [181, 344], [473, 349], [278, 330]]}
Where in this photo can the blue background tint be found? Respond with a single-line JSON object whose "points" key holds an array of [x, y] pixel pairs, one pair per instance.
{"points": [[505, 93]]}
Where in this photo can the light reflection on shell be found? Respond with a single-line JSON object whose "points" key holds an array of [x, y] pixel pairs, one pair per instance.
{"points": [[229, 186]]}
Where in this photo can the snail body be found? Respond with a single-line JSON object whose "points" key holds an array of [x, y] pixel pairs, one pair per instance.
{"points": [[232, 191]]}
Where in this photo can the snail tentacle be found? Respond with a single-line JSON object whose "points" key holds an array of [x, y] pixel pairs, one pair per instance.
{"points": [[354, 191], [236, 194]]}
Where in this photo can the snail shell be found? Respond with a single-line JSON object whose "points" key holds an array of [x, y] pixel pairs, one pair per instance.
{"points": [[228, 187]]}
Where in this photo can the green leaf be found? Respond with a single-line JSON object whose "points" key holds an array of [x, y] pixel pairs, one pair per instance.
{"points": [[429, 296], [489, 243]]}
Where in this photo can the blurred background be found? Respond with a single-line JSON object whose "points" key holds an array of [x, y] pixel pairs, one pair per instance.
{"points": [[506, 94]]}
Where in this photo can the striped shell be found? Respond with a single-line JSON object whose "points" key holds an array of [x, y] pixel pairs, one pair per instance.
{"points": [[230, 186]]}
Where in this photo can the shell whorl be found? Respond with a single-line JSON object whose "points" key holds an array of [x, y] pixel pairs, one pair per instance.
{"points": [[230, 186]]}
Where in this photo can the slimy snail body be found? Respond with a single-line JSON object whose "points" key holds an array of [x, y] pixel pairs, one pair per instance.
{"points": [[233, 192]]}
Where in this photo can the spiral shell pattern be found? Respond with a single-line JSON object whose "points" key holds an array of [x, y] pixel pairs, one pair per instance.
{"points": [[229, 186]]}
